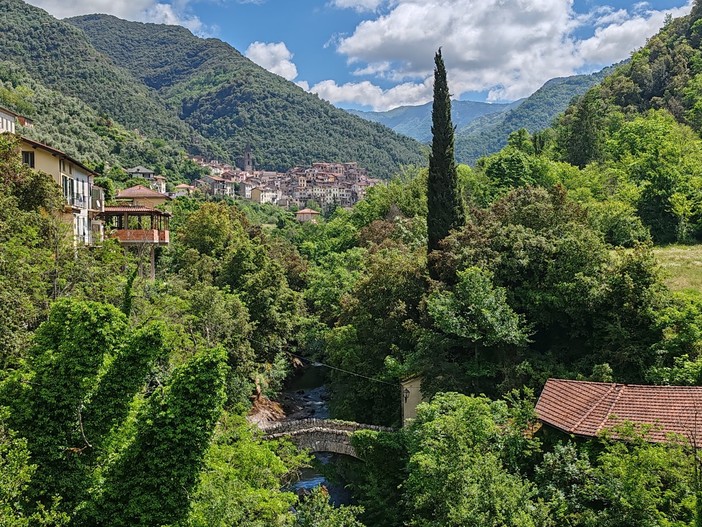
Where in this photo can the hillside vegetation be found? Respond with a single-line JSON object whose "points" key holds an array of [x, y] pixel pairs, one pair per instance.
{"points": [[59, 56], [235, 103], [481, 128], [489, 134]]}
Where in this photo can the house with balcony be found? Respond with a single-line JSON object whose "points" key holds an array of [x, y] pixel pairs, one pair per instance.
{"points": [[84, 201]]}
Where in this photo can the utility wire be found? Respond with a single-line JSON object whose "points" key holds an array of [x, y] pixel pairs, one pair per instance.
{"points": [[315, 363]]}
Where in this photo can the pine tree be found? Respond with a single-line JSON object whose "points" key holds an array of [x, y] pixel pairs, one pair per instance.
{"points": [[445, 211]]}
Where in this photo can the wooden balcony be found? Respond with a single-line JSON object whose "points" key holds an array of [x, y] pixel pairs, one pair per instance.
{"points": [[136, 225], [141, 236]]}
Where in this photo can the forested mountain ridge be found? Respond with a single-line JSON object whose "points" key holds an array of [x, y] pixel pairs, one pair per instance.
{"points": [[235, 103], [485, 136], [482, 128], [665, 74], [59, 56]]}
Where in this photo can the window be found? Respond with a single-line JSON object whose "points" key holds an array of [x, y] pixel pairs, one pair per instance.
{"points": [[28, 159], [68, 186]]}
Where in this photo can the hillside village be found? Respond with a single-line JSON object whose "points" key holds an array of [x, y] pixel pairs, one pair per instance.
{"points": [[136, 218], [327, 184]]}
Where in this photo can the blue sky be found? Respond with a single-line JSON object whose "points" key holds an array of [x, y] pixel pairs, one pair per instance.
{"points": [[378, 54]]}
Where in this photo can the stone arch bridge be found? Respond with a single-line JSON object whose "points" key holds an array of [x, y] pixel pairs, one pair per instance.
{"points": [[319, 435]]}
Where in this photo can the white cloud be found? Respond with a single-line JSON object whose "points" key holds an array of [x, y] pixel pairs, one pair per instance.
{"points": [[274, 56], [507, 48], [174, 13], [368, 94], [614, 42], [357, 5]]}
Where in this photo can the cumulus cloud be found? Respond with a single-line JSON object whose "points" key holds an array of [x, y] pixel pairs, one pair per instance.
{"points": [[507, 48], [368, 94], [274, 56], [175, 13], [358, 5]]}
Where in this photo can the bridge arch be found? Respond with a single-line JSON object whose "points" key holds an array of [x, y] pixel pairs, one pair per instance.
{"points": [[319, 435]]}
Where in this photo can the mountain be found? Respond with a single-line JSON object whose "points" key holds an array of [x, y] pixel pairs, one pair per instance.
{"points": [[489, 134], [234, 103], [60, 57], [664, 74], [415, 121], [483, 128]]}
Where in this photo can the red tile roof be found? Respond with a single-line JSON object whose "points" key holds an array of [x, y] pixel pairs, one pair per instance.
{"points": [[587, 408], [307, 211], [139, 191]]}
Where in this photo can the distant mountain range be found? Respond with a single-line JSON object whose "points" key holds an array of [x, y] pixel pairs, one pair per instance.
{"points": [[415, 121], [110, 89], [483, 128]]}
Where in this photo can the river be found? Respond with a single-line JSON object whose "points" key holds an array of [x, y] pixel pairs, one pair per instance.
{"points": [[306, 395]]}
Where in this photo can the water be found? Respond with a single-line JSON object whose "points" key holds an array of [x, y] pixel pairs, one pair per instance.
{"points": [[306, 396], [313, 477]]}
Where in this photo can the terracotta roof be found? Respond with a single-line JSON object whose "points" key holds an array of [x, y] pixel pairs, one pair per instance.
{"points": [[307, 211], [139, 191], [587, 408]]}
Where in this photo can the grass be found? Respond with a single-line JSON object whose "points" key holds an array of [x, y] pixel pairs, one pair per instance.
{"points": [[682, 266]]}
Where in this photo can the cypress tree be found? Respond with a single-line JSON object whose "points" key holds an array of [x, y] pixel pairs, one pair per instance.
{"points": [[444, 204]]}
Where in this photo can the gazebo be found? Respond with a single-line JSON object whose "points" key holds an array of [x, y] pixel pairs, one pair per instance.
{"points": [[138, 226]]}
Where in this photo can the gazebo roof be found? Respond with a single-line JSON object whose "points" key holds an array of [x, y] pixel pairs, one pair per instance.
{"points": [[139, 191]]}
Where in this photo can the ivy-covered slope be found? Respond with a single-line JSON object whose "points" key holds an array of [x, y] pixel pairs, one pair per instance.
{"points": [[232, 101]]}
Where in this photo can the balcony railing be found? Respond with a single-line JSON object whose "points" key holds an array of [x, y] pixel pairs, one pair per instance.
{"points": [[141, 236], [76, 200]]}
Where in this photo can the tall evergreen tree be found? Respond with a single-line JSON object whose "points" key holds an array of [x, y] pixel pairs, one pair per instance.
{"points": [[444, 203]]}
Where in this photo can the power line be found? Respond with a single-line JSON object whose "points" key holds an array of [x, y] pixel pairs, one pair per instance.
{"points": [[316, 363]]}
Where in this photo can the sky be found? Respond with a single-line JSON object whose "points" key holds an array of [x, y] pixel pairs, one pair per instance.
{"points": [[379, 54]]}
